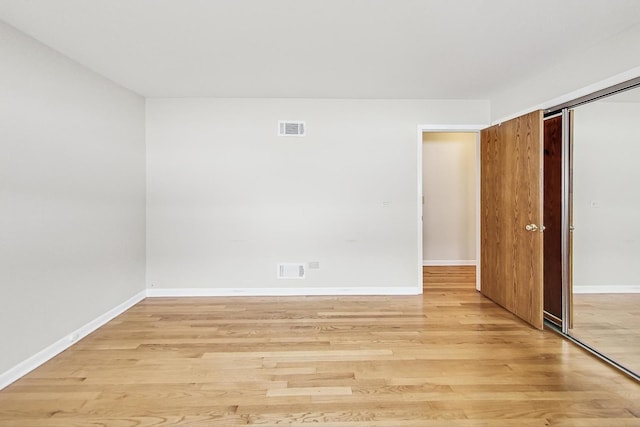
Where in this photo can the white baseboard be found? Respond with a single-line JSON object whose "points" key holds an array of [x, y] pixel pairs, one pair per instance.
{"points": [[607, 289], [276, 292], [59, 346], [447, 262]]}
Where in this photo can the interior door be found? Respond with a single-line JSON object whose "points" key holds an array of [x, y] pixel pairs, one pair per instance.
{"points": [[553, 168], [511, 214]]}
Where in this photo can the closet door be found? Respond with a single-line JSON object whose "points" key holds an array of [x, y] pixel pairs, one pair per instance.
{"points": [[511, 216], [553, 212]]}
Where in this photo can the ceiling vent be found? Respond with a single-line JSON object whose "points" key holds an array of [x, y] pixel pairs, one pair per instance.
{"points": [[289, 128], [290, 271]]}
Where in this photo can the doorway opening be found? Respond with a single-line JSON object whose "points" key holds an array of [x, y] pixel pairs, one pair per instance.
{"points": [[449, 197]]}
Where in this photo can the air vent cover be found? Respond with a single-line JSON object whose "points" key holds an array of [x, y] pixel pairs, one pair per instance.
{"points": [[290, 128], [287, 270]]}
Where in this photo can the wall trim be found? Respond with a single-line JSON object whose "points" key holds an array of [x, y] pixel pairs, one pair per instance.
{"points": [[447, 262], [607, 289], [28, 365], [276, 292], [471, 128]]}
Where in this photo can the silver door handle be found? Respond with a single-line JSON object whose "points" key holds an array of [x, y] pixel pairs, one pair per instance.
{"points": [[531, 227]]}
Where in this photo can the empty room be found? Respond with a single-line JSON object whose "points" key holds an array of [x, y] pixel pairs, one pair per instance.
{"points": [[341, 213]]}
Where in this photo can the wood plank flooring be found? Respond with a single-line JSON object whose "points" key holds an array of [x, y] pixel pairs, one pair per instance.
{"points": [[448, 358]]}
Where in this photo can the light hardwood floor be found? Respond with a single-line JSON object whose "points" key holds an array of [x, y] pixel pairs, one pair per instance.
{"points": [[448, 358]]}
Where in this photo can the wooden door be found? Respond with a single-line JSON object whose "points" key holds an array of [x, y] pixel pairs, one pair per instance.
{"points": [[553, 219], [510, 202]]}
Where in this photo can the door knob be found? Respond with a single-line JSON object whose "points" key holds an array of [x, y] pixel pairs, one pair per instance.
{"points": [[531, 227]]}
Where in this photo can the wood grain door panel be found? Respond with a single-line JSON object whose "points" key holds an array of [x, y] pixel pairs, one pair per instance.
{"points": [[553, 218], [510, 180]]}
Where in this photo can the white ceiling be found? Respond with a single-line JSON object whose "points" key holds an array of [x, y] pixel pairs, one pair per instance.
{"points": [[320, 48]]}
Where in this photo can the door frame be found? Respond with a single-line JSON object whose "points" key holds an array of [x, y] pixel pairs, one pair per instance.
{"points": [[449, 128]]}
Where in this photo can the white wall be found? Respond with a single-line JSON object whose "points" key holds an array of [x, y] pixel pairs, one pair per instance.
{"points": [[227, 199], [604, 64], [606, 245], [72, 198], [449, 189]]}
